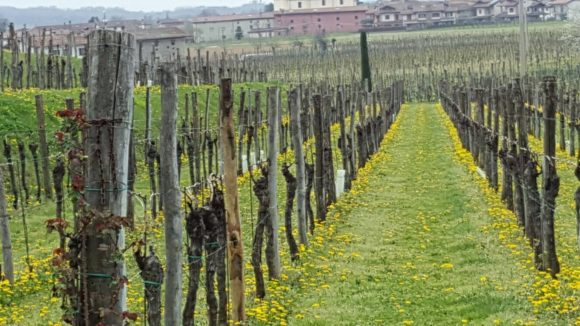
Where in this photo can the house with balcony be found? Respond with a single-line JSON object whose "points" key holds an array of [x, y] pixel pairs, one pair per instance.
{"points": [[412, 15], [388, 16], [561, 8], [538, 10], [484, 10], [229, 27], [506, 10]]}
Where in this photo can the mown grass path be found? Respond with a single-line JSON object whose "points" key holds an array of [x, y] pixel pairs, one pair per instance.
{"points": [[420, 255]]}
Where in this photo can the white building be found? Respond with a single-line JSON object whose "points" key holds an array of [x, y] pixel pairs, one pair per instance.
{"points": [[282, 5]]}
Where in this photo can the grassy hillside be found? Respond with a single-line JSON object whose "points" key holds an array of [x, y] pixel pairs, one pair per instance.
{"points": [[29, 302]]}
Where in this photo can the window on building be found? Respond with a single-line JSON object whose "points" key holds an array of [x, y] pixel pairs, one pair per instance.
{"points": [[291, 28], [337, 18], [435, 15], [172, 42], [421, 15], [318, 19], [82, 51], [341, 2], [324, 2], [386, 17], [511, 10], [299, 4], [355, 17], [291, 21]]}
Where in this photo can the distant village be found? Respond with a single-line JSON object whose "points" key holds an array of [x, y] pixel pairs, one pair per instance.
{"points": [[166, 37]]}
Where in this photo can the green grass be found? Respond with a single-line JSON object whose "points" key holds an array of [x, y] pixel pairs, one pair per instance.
{"points": [[21, 124], [419, 252], [266, 44], [385, 262]]}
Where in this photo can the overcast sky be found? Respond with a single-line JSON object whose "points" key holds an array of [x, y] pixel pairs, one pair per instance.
{"points": [[135, 5]]}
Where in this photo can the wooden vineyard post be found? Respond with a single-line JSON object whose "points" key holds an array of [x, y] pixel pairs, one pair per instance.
{"points": [[150, 153], [551, 181], [16, 67], [196, 137], [43, 146], [33, 148], [519, 152], [189, 138], [328, 181], [272, 247], [9, 161], [352, 142], [109, 117], [234, 229], [344, 147], [318, 169], [511, 150], [1, 63], [22, 171], [242, 120], [70, 46], [294, 108], [572, 123], [170, 194], [7, 261], [537, 114], [479, 129], [561, 108], [495, 141], [257, 125]]}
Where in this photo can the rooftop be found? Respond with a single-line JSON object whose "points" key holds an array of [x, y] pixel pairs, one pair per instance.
{"points": [[213, 19], [323, 10], [158, 33]]}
